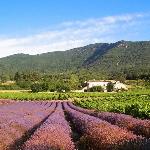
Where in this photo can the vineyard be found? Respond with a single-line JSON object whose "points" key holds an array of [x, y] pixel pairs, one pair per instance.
{"points": [[61, 125], [135, 103]]}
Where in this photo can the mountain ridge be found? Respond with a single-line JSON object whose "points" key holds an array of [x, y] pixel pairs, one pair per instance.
{"points": [[121, 56]]}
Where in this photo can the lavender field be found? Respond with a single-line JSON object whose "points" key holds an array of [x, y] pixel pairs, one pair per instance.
{"points": [[57, 125]]}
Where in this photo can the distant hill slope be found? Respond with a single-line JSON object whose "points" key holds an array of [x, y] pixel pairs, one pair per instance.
{"points": [[120, 56]]}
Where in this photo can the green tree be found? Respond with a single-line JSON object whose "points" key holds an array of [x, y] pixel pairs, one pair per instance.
{"points": [[36, 87], [17, 76], [44, 86], [63, 87], [110, 87], [74, 81], [4, 78]]}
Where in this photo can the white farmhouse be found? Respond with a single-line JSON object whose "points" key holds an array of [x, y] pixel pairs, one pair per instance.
{"points": [[103, 83], [119, 86], [91, 84]]}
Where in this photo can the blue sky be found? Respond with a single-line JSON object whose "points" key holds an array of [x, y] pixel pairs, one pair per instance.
{"points": [[38, 26]]}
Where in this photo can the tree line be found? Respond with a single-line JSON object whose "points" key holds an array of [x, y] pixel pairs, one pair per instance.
{"points": [[60, 82]]}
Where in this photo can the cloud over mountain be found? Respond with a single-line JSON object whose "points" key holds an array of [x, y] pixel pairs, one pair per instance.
{"points": [[73, 34]]}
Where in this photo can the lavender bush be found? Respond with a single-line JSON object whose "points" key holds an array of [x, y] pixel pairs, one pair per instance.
{"points": [[101, 135], [138, 126], [54, 134], [17, 119]]}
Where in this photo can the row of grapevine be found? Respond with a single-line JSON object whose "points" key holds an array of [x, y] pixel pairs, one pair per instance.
{"points": [[135, 105], [132, 103]]}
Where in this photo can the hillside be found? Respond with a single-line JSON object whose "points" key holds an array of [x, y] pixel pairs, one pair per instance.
{"points": [[122, 56]]}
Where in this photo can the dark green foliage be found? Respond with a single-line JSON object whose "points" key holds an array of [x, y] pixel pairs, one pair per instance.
{"points": [[147, 80], [110, 87], [58, 87], [132, 109], [96, 89], [24, 84], [118, 76], [17, 77], [62, 88], [10, 87], [126, 59], [44, 86], [26, 79], [132, 103], [4, 77], [39, 87], [36, 87], [68, 70], [135, 111]]}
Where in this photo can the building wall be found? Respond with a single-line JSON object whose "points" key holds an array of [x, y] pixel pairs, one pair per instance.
{"points": [[103, 84], [119, 86], [92, 84]]}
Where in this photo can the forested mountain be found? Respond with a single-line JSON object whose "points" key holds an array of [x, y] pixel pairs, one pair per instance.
{"points": [[107, 58]]}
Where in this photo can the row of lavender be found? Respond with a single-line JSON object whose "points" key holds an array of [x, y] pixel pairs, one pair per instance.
{"points": [[5, 101], [17, 119], [101, 135], [55, 132], [138, 126]]}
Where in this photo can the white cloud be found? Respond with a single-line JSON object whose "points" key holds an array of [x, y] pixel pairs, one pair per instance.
{"points": [[72, 34]]}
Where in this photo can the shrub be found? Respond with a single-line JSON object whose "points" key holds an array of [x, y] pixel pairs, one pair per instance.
{"points": [[63, 88], [96, 89], [9, 87], [44, 86], [132, 110], [39, 87], [36, 87], [110, 87], [24, 84]]}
